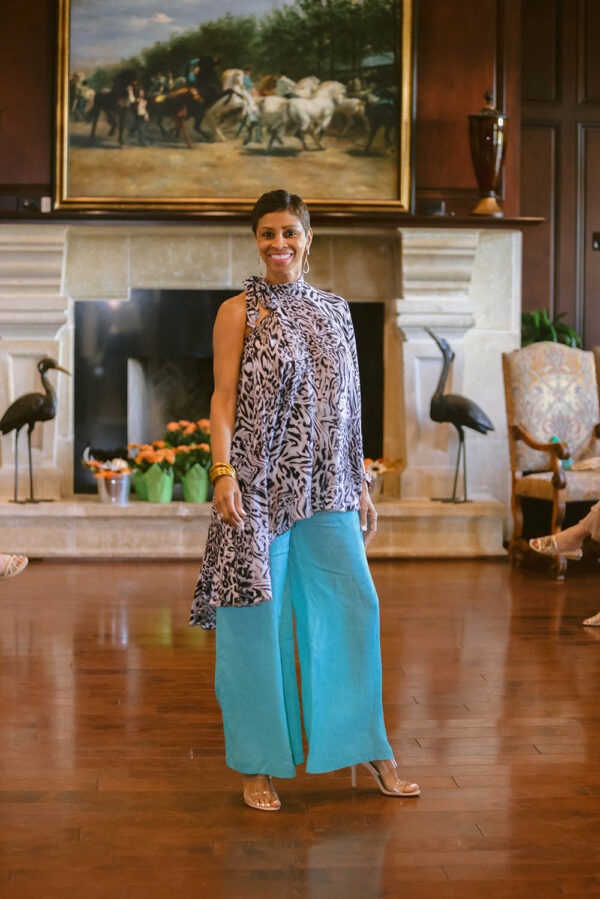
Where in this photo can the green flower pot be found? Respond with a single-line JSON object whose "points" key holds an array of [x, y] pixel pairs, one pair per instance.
{"points": [[139, 485], [195, 485], [159, 484]]}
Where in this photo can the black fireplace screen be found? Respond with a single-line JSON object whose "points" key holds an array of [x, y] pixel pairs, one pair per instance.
{"points": [[141, 363]]}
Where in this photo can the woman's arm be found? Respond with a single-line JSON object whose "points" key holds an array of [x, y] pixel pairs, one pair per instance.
{"points": [[228, 343], [368, 515]]}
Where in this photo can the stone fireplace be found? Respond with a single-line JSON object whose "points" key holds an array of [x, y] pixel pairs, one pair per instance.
{"points": [[464, 284]]}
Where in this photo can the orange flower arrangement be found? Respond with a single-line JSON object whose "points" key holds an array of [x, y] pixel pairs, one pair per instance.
{"points": [[115, 468], [185, 444], [381, 466], [187, 432]]}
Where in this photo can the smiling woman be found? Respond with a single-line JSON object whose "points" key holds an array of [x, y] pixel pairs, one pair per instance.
{"points": [[271, 91], [289, 523]]}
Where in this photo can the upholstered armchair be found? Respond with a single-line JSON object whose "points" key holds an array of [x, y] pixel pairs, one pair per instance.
{"points": [[551, 391]]}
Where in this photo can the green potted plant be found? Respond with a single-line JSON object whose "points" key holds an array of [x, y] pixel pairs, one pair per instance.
{"points": [[154, 467], [537, 326], [183, 455], [191, 441]]}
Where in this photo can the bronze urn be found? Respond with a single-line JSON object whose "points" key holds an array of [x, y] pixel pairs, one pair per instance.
{"points": [[487, 137]]}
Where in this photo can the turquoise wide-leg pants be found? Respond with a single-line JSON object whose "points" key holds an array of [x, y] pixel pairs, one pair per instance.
{"points": [[320, 577]]}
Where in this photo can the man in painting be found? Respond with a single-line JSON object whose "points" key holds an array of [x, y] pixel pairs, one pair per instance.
{"points": [[140, 111]]}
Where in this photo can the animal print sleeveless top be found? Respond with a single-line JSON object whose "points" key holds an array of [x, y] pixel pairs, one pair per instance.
{"points": [[297, 441]]}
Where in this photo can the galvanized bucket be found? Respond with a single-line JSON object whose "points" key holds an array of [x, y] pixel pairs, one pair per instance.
{"points": [[114, 490]]}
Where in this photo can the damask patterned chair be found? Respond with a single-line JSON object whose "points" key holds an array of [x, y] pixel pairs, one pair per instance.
{"points": [[550, 390]]}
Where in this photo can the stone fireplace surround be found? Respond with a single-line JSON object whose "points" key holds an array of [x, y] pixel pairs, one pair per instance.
{"points": [[463, 283]]}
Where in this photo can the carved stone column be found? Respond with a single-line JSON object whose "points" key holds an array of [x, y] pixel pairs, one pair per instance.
{"points": [[33, 323], [453, 284]]}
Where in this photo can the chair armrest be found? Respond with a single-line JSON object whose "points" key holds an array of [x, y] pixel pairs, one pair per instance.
{"points": [[560, 450], [556, 451]]}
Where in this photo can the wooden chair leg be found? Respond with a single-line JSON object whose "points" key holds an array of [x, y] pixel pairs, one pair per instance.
{"points": [[559, 507], [558, 567], [517, 546]]}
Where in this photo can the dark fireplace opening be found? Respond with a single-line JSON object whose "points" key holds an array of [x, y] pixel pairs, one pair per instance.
{"points": [[147, 361]]}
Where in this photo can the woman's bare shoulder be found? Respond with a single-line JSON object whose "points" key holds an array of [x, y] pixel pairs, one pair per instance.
{"points": [[232, 314], [234, 309]]}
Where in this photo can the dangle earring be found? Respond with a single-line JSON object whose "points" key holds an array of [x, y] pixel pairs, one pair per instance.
{"points": [[261, 273], [305, 263]]}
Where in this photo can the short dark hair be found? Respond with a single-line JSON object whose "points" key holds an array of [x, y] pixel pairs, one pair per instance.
{"points": [[280, 201]]}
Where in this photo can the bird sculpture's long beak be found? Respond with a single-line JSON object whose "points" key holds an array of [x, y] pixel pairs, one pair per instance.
{"points": [[64, 370]]}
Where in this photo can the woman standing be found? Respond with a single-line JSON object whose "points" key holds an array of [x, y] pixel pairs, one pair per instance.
{"points": [[290, 517]]}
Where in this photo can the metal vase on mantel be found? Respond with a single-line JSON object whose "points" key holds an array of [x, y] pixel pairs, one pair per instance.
{"points": [[487, 137]]}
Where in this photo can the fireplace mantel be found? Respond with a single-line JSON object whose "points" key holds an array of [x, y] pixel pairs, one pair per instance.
{"points": [[464, 283]]}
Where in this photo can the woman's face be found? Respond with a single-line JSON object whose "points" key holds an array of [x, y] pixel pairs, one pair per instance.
{"points": [[281, 241]]}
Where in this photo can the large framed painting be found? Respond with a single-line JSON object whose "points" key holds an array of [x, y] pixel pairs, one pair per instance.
{"points": [[191, 105]]}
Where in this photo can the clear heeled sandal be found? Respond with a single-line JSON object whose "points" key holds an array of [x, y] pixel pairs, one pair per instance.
{"points": [[254, 798], [413, 789]]}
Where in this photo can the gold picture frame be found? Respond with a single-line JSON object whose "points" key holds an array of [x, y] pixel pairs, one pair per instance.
{"points": [[125, 142]]}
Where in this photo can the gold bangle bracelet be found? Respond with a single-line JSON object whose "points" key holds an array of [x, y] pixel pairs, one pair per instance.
{"points": [[221, 469]]}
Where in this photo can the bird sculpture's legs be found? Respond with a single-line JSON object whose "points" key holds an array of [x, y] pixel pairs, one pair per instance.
{"points": [[461, 446], [31, 499], [16, 497], [464, 450], [461, 449]]}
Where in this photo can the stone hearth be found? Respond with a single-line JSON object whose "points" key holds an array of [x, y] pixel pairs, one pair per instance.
{"points": [[462, 283]]}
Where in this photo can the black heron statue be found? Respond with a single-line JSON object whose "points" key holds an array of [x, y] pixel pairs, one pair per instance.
{"points": [[27, 410], [457, 411]]}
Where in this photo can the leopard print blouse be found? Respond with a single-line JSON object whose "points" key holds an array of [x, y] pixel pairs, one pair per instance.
{"points": [[297, 441]]}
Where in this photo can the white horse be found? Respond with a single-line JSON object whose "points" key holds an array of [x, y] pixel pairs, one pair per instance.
{"points": [[273, 117], [306, 87], [232, 78], [237, 103], [352, 110], [284, 86], [313, 115]]}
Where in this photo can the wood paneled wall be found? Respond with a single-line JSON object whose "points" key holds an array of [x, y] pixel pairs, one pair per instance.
{"points": [[463, 48], [26, 93], [560, 161]]}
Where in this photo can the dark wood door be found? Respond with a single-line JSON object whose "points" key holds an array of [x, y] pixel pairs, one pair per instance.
{"points": [[590, 140], [560, 159]]}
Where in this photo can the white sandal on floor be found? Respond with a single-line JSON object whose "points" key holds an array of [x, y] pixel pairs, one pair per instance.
{"points": [[370, 767], [13, 565]]}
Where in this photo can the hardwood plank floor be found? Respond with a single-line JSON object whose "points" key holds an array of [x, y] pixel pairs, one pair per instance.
{"points": [[112, 775]]}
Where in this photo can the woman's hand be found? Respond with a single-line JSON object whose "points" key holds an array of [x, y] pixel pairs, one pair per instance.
{"points": [[228, 502], [368, 515]]}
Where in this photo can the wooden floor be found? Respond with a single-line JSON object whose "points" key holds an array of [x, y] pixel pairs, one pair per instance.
{"points": [[112, 780]]}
